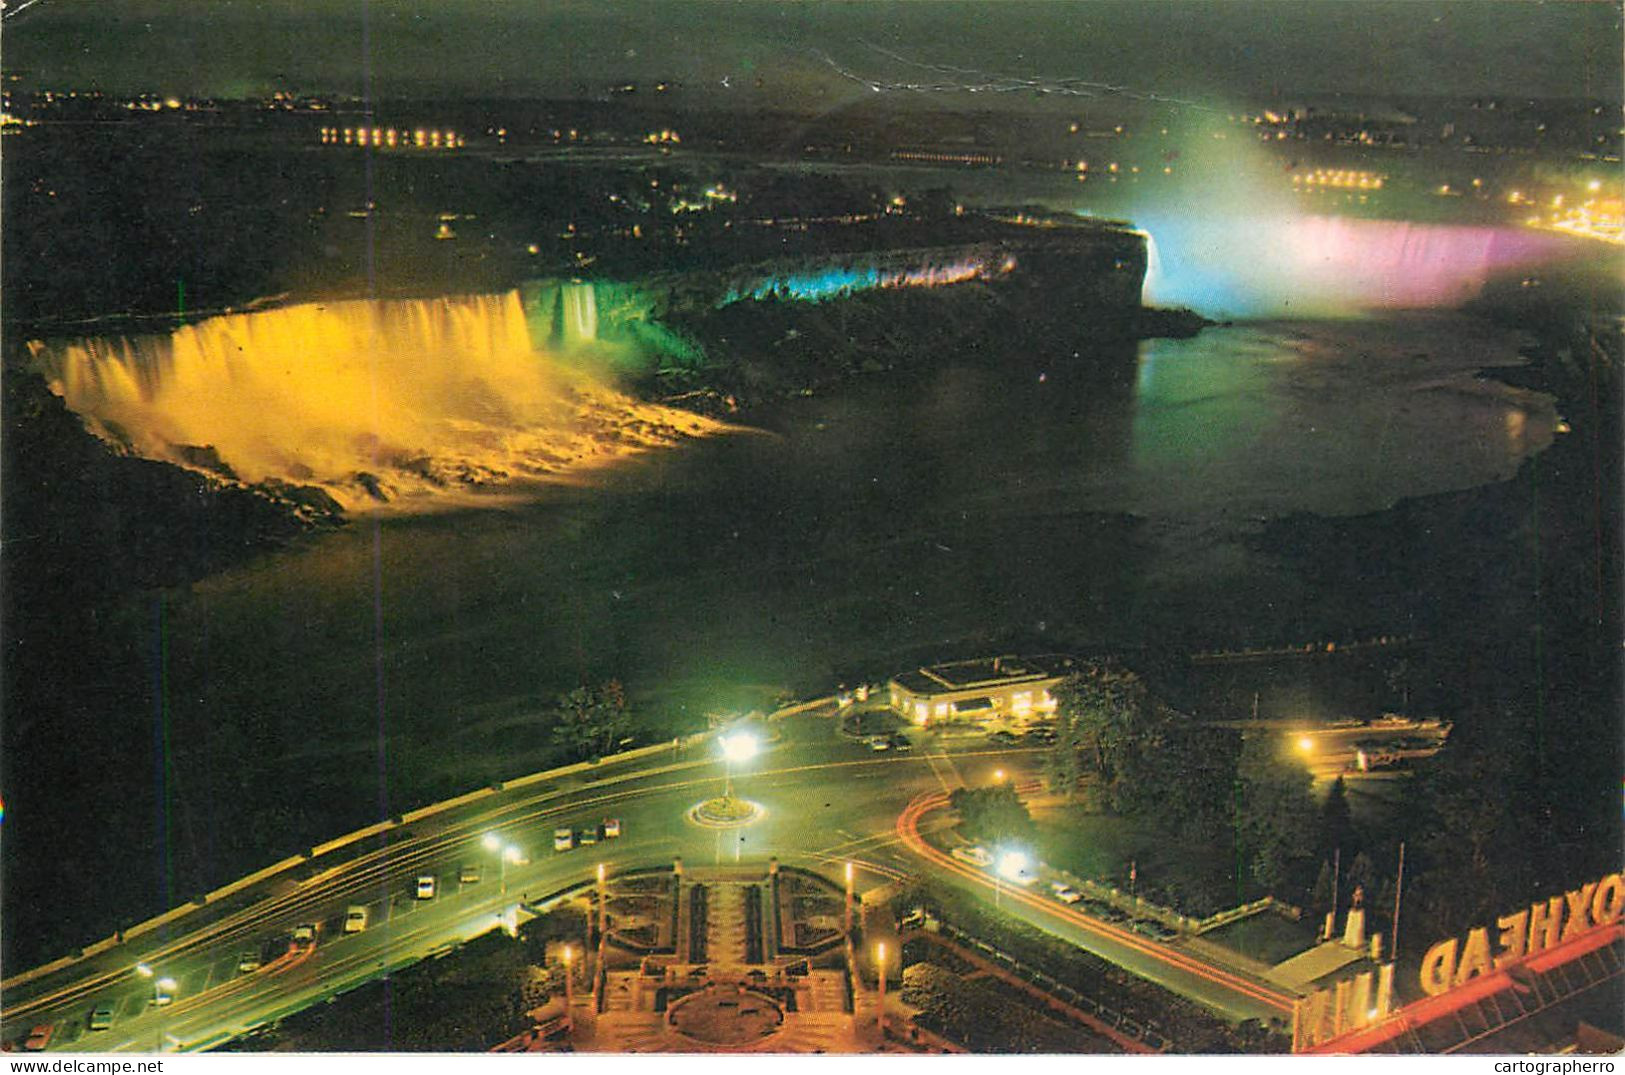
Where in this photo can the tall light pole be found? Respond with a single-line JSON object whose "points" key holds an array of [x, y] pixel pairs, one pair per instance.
{"points": [[161, 988], [505, 854], [880, 961], [603, 901], [848, 926], [1010, 865], [569, 992], [737, 747]]}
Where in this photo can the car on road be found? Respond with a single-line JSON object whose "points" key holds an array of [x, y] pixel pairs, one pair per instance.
{"points": [[976, 856], [304, 935], [426, 887], [469, 874], [899, 742], [249, 962], [563, 839], [1002, 737], [1065, 892], [612, 828], [1147, 927], [39, 1037], [101, 1018], [355, 918]]}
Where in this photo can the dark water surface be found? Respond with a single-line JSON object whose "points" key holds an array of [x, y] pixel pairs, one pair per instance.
{"points": [[1105, 500]]}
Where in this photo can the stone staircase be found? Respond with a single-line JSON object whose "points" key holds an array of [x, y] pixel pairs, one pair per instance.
{"points": [[825, 991], [725, 937]]}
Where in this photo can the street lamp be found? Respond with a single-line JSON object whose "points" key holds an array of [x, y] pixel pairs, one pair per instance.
{"points": [[163, 990], [847, 928], [509, 854], [603, 901], [738, 747], [880, 960], [569, 991], [505, 854], [1010, 865]]}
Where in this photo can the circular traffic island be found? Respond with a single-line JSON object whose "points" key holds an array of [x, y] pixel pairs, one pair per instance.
{"points": [[726, 1018], [725, 812]]}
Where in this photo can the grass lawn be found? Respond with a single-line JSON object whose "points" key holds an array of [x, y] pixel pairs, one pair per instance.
{"points": [[1266, 937]]}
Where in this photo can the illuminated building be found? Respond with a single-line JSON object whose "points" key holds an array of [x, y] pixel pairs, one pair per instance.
{"points": [[978, 691]]}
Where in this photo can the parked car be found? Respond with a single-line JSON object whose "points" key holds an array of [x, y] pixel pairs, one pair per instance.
{"points": [[1150, 927], [611, 828], [587, 837], [426, 887], [1002, 737], [879, 742], [900, 742], [39, 1037], [100, 1018], [304, 935], [563, 839], [469, 875], [249, 962], [1065, 892], [355, 919], [976, 856]]}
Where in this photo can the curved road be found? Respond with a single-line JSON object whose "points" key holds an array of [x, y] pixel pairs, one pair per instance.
{"points": [[826, 800]]}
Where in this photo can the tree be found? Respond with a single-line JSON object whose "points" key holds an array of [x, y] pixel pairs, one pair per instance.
{"points": [[1145, 759], [1275, 816], [1321, 895], [1183, 781], [1398, 677], [1103, 705], [590, 721], [993, 814], [1335, 828], [1063, 766]]}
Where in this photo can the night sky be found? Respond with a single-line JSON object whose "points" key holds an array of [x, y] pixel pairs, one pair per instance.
{"points": [[756, 54]]}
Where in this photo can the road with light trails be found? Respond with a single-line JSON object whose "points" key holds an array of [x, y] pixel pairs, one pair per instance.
{"points": [[826, 800], [1237, 995]]}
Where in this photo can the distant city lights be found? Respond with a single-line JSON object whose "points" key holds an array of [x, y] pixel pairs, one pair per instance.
{"points": [[1342, 179], [391, 137]]}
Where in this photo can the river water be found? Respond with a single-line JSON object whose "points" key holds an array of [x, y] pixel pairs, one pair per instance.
{"points": [[1104, 499], [1011, 501]]}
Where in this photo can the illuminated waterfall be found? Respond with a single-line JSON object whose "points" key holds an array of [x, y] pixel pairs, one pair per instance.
{"points": [[1288, 265], [819, 283], [580, 313], [372, 400]]}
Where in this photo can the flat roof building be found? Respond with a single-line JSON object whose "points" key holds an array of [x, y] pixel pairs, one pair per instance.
{"points": [[980, 691]]}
